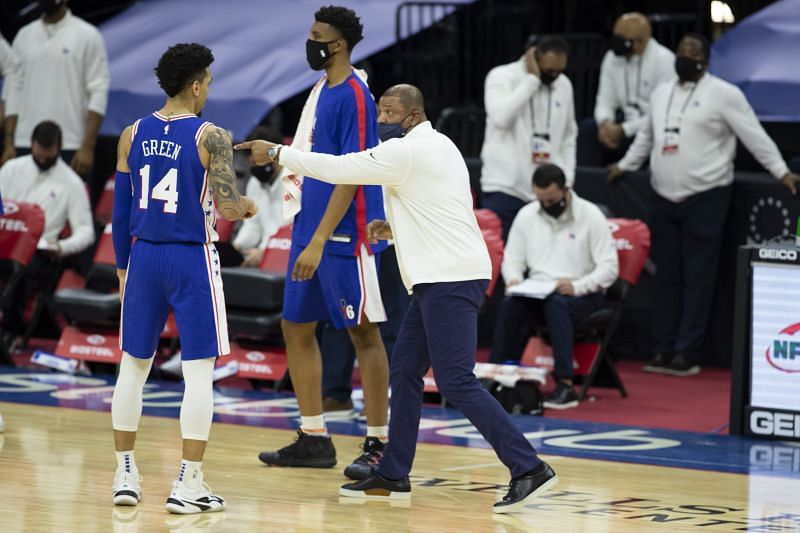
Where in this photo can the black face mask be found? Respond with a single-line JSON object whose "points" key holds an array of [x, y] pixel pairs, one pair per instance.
{"points": [[263, 174], [687, 68], [317, 54], [392, 131], [50, 7], [557, 209], [546, 78], [47, 164], [621, 46]]}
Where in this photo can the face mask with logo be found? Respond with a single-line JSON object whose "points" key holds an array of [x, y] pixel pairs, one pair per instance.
{"points": [[557, 209], [688, 69], [621, 46], [263, 174], [47, 164], [394, 130], [49, 7], [317, 54]]}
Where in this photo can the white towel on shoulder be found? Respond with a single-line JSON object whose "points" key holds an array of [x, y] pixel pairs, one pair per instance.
{"points": [[303, 138]]}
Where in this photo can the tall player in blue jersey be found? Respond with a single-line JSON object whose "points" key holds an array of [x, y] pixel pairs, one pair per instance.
{"points": [[332, 266], [171, 169]]}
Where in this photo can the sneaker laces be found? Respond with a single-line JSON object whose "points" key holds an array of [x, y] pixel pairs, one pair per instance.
{"points": [[371, 452]]}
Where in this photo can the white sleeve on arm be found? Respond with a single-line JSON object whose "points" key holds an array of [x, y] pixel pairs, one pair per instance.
{"points": [[743, 121], [606, 104], [97, 76], [14, 83], [388, 164], [604, 256], [570, 142], [503, 103], [640, 149], [514, 256], [79, 215]]}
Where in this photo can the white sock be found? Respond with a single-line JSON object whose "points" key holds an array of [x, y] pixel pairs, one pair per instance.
{"points": [[314, 425], [126, 462], [190, 473], [380, 432]]}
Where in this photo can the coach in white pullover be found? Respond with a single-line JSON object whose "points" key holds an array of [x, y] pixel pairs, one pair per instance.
{"points": [[691, 140], [565, 240], [530, 120], [64, 78], [444, 261], [631, 70]]}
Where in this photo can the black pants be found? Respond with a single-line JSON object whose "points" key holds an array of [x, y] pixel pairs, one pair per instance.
{"points": [[504, 206], [518, 318], [338, 354], [686, 238]]}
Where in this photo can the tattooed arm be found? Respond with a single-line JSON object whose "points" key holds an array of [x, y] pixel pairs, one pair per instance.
{"points": [[217, 157]]}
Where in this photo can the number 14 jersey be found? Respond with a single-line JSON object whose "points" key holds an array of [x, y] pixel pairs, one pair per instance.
{"points": [[172, 199]]}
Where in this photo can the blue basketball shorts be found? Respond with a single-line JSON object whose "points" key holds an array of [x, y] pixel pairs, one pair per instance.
{"points": [[344, 290], [185, 278]]}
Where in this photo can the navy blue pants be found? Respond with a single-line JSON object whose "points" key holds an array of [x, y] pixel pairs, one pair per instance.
{"points": [[687, 238], [440, 330], [504, 206], [519, 316]]}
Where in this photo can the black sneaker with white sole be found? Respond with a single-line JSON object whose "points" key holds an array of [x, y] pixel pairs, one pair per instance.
{"points": [[308, 451], [525, 488], [564, 397], [657, 363], [377, 487], [681, 366], [362, 466]]}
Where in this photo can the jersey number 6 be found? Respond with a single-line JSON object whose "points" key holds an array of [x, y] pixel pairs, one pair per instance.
{"points": [[165, 190]]}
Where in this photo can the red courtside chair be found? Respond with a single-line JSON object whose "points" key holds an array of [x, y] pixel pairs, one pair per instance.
{"points": [[632, 239], [21, 228], [492, 230]]}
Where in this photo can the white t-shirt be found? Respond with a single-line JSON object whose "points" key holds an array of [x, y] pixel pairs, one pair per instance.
{"points": [[256, 231]]}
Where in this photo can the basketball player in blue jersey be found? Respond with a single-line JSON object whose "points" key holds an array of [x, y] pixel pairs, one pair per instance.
{"points": [[332, 267], [172, 167]]}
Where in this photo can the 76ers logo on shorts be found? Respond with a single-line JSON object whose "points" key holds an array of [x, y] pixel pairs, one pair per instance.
{"points": [[348, 313], [784, 352]]}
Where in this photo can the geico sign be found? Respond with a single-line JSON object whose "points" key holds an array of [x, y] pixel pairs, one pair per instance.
{"points": [[775, 424], [780, 254]]}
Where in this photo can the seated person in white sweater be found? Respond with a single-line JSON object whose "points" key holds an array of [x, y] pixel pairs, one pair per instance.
{"points": [[563, 239], [267, 192], [43, 178]]}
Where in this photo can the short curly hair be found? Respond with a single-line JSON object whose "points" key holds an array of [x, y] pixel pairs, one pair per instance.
{"points": [[345, 21], [181, 65]]}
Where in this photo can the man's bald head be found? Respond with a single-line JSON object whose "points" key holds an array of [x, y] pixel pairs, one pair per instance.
{"points": [[410, 96], [636, 27], [402, 104]]}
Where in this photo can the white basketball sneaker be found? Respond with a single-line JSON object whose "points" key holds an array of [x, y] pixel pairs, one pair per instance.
{"points": [[127, 488], [182, 500]]}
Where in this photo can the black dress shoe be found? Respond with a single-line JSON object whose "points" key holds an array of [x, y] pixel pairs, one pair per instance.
{"points": [[377, 487], [525, 488], [657, 363]]}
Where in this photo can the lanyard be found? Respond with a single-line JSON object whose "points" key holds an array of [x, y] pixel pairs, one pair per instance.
{"points": [[549, 110], [685, 104], [638, 84]]}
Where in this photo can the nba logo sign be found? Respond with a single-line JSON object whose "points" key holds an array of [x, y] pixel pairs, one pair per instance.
{"points": [[784, 352]]}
